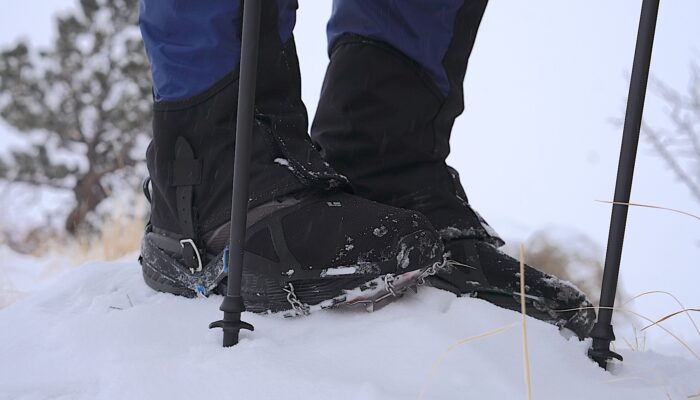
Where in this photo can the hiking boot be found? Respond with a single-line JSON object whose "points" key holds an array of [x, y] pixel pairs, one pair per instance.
{"points": [[481, 270], [384, 121], [310, 243]]}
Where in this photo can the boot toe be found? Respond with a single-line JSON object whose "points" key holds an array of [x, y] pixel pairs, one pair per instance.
{"points": [[484, 271]]}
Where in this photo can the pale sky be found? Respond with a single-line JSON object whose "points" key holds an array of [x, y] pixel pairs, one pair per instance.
{"points": [[535, 146]]}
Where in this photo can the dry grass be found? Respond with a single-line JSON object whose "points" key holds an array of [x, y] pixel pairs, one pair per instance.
{"points": [[669, 316], [523, 309], [453, 346], [639, 344], [526, 352], [642, 316], [651, 206], [119, 236], [121, 233], [683, 308], [575, 258]]}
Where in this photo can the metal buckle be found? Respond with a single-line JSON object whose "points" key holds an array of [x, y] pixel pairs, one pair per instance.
{"points": [[183, 242]]}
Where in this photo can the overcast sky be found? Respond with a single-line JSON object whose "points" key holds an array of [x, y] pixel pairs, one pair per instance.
{"points": [[535, 146]]}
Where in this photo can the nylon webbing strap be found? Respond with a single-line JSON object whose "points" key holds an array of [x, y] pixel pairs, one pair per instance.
{"points": [[185, 172]]}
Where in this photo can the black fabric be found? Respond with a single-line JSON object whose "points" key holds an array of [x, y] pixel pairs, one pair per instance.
{"points": [[382, 123], [483, 271], [261, 245], [332, 241], [324, 241], [283, 159], [209, 126], [185, 169], [185, 172], [296, 245], [341, 229], [184, 175]]}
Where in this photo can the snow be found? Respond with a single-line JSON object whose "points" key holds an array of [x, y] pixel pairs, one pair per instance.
{"points": [[19, 275], [282, 161], [98, 332], [402, 259], [381, 231], [339, 271], [535, 146]]}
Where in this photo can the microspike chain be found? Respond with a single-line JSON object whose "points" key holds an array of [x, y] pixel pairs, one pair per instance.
{"points": [[392, 287]]}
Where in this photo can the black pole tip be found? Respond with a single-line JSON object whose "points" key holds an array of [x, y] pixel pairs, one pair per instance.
{"points": [[602, 335], [231, 324], [231, 328], [602, 356]]}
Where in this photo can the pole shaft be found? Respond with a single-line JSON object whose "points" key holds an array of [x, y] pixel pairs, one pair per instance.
{"points": [[244, 137], [233, 305], [602, 332]]}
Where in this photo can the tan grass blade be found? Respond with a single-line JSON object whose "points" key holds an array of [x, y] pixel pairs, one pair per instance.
{"points": [[453, 346], [679, 340], [526, 352], [650, 206], [690, 317], [685, 310]]}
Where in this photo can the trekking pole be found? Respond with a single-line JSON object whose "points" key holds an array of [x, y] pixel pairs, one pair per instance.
{"points": [[602, 332], [233, 306]]}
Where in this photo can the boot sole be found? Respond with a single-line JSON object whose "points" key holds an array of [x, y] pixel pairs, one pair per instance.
{"points": [[264, 294]]}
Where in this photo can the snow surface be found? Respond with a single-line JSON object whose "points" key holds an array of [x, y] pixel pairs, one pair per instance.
{"points": [[98, 332], [339, 271]]}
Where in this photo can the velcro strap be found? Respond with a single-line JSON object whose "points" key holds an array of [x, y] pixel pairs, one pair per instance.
{"points": [[184, 210], [185, 172]]}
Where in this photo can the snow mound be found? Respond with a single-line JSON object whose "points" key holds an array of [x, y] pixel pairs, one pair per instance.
{"points": [[99, 332]]}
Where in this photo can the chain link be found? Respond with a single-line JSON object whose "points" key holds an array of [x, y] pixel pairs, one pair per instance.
{"points": [[433, 269], [388, 280], [453, 263], [299, 307]]}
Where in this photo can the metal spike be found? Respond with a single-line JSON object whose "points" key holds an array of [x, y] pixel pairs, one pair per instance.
{"points": [[454, 263]]}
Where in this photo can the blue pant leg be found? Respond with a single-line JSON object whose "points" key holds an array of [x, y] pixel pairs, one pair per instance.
{"points": [[421, 29], [391, 94], [191, 44]]}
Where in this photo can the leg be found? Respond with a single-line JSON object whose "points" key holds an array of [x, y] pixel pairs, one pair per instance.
{"points": [[297, 200], [392, 92]]}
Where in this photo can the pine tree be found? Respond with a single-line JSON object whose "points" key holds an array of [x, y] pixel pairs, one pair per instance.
{"points": [[83, 105]]}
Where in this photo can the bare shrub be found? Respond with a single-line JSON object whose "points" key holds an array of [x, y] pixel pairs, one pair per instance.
{"points": [[568, 255]]}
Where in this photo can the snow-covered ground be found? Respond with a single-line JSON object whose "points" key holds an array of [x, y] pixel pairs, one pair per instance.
{"points": [[535, 146], [542, 82], [98, 332]]}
